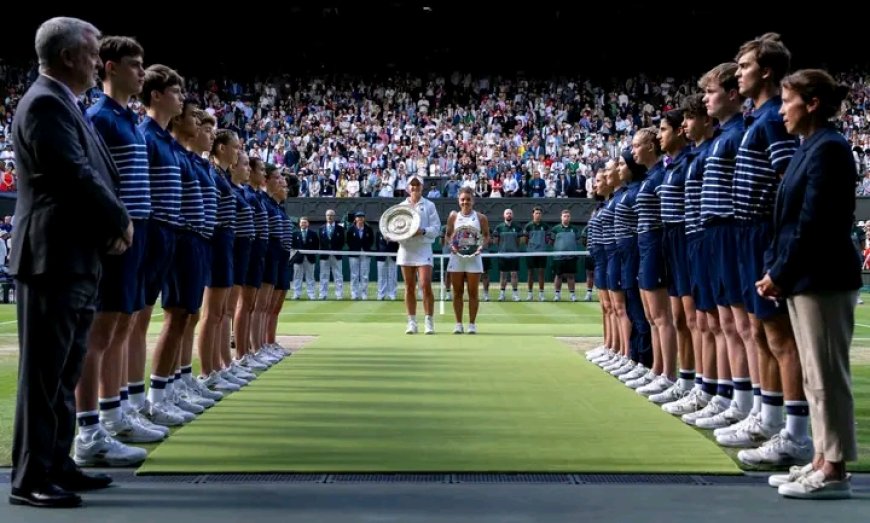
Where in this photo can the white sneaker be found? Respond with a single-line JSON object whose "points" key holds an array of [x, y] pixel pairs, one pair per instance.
{"points": [[781, 450], [529, 297], [239, 371], [573, 298], [815, 486], [660, 384], [216, 382], [794, 473], [412, 327], [624, 369], [100, 449], [716, 405], [751, 418], [128, 430], [457, 329], [596, 352], [160, 413], [604, 356], [472, 328], [429, 325], [642, 381], [540, 296], [501, 296], [516, 297], [638, 371], [614, 363], [674, 393], [228, 376], [557, 296], [729, 417], [753, 434], [203, 391], [691, 402], [588, 295], [138, 417], [485, 296], [252, 364]]}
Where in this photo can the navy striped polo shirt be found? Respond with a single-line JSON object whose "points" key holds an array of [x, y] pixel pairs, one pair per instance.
{"points": [[164, 171], [717, 189]]}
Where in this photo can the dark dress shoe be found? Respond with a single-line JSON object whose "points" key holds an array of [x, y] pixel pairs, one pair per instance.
{"points": [[48, 495], [76, 480]]}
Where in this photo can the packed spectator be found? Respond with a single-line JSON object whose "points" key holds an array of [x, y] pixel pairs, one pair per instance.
{"points": [[503, 137]]}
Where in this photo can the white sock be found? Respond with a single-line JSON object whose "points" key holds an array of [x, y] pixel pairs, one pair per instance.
{"points": [[771, 415], [797, 419], [157, 391], [110, 413], [412, 318], [92, 418], [756, 398]]}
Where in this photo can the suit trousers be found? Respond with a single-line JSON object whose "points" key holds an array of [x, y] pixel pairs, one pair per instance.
{"points": [[359, 276], [306, 269], [54, 317], [823, 327], [387, 277], [331, 264]]}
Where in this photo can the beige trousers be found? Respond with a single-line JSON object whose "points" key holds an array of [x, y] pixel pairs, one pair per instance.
{"points": [[823, 325]]}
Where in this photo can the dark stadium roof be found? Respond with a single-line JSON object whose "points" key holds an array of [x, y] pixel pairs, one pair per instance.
{"points": [[599, 37]]}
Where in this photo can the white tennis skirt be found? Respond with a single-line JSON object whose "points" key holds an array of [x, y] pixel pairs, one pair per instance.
{"points": [[414, 254], [460, 264]]}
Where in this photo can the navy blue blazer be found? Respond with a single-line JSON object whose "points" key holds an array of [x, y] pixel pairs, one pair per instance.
{"points": [[308, 242], [812, 249], [336, 243], [67, 211]]}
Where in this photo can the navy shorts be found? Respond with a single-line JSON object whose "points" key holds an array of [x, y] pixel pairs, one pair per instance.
{"points": [[677, 260], [221, 276], [629, 256], [158, 259], [270, 269], [614, 268], [600, 276], [254, 277], [754, 238], [241, 259], [185, 283], [653, 272], [284, 271], [508, 264], [699, 273], [121, 289], [207, 256], [589, 263], [721, 248], [536, 262]]}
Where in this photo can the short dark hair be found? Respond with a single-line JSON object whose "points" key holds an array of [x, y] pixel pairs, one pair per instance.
{"points": [[770, 53], [158, 78], [693, 106], [725, 74], [115, 48], [674, 118]]}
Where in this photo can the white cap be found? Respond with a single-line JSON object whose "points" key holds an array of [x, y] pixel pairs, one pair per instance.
{"points": [[415, 177]]}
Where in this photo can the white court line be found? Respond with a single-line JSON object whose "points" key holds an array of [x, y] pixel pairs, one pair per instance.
{"points": [[862, 325], [10, 322], [292, 313]]}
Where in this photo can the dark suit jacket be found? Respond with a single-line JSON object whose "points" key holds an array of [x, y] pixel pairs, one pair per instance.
{"points": [[309, 242], [67, 210], [337, 241], [812, 249], [354, 243]]}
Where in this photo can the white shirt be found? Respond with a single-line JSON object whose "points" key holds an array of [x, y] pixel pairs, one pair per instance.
{"points": [[429, 222]]}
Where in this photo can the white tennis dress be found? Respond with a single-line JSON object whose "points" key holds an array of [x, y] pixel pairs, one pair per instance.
{"points": [[459, 263], [417, 251]]}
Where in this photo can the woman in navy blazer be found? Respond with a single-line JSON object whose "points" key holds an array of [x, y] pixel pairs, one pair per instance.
{"points": [[813, 263]]}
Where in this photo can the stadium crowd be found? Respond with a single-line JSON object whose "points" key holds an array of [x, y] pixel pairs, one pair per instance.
{"points": [[501, 136]]}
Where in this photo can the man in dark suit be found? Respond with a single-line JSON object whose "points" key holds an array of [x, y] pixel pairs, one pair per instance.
{"points": [[303, 264], [66, 177], [360, 237], [331, 239]]}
